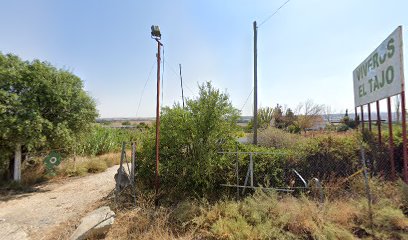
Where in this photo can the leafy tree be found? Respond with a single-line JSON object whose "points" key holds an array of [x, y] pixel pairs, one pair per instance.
{"points": [[289, 118], [347, 122], [309, 114], [191, 138], [265, 116], [278, 119], [40, 107]]}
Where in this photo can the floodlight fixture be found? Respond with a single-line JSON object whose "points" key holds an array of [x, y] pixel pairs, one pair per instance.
{"points": [[155, 32]]}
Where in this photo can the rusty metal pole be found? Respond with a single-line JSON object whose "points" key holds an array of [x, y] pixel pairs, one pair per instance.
{"points": [[369, 116], [378, 122], [390, 139], [157, 179], [362, 118], [404, 136]]}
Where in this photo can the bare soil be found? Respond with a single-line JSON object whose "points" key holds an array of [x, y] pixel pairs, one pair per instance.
{"points": [[40, 212]]}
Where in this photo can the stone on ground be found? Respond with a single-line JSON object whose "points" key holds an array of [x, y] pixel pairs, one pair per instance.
{"points": [[95, 223]]}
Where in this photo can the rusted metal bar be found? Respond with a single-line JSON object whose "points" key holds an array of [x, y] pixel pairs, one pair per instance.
{"points": [[369, 116], [157, 179], [390, 139], [404, 136], [362, 118], [378, 122]]}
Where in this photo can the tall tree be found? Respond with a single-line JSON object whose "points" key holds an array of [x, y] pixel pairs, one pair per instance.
{"points": [[308, 114], [40, 107]]}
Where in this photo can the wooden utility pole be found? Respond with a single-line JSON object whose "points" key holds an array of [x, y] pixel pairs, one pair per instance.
{"points": [[255, 141]]}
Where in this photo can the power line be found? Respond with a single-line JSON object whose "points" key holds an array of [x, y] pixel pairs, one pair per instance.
{"points": [[276, 11], [141, 95], [178, 76], [247, 99]]}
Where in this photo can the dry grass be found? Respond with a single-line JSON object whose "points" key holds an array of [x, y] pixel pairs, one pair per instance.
{"points": [[81, 166], [267, 216], [277, 138], [145, 222]]}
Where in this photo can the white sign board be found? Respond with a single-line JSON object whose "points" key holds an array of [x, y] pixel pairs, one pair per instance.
{"points": [[381, 74]]}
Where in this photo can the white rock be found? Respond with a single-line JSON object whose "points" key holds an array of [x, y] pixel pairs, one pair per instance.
{"points": [[95, 223]]}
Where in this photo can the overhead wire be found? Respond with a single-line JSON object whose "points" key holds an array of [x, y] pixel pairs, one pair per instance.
{"points": [[247, 99], [178, 76], [144, 87], [276, 11]]}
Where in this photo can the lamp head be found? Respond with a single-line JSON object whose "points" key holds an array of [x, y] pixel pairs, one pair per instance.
{"points": [[155, 32]]}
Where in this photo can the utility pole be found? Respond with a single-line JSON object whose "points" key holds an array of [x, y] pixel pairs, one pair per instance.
{"points": [[255, 141], [157, 36], [181, 81]]}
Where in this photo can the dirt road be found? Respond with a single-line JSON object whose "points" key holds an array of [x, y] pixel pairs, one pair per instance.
{"points": [[40, 212]]}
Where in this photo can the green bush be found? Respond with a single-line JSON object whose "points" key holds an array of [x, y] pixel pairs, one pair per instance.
{"points": [[277, 138], [328, 156], [100, 140], [342, 128], [191, 138], [126, 123]]}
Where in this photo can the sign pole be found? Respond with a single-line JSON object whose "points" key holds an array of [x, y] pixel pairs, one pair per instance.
{"points": [[369, 117], [362, 118], [390, 139], [403, 112], [404, 137], [378, 122]]}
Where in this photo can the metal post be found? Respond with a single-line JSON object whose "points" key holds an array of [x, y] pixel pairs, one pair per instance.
{"points": [[367, 187], [237, 169], [251, 165], [132, 168], [362, 118], [369, 117], [157, 180], [404, 136], [355, 116], [404, 123], [390, 139], [255, 141], [378, 122]]}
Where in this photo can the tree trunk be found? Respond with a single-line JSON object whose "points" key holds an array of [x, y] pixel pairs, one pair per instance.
{"points": [[17, 163]]}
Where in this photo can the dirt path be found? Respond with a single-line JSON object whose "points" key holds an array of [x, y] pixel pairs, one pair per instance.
{"points": [[39, 212]]}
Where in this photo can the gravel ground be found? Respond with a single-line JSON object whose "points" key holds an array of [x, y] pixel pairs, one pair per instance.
{"points": [[38, 213]]}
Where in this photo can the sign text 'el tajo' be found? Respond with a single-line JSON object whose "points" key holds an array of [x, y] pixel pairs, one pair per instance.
{"points": [[381, 74]]}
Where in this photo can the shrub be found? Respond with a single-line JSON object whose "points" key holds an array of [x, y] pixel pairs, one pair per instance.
{"points": [[100, 140], [277, 138], [190, 140], [342, 128]]}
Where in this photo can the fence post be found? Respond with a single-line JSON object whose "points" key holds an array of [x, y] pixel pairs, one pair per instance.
{"points": [[367, 188], [237, 169]]}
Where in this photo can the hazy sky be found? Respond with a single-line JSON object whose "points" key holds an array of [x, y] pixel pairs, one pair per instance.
{"points": [[308, 50]]}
